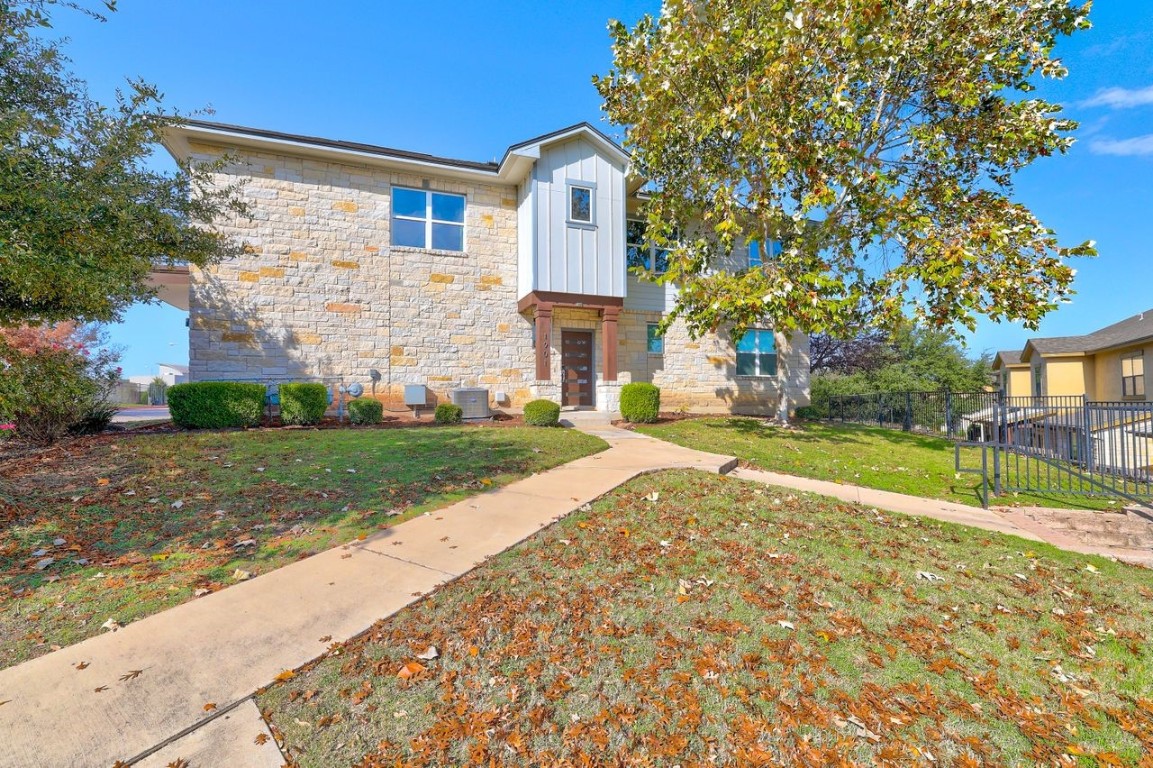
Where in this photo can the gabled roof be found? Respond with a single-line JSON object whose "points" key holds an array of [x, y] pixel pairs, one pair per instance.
{"points": [[1131, 330], [1006, 358], [511, 168]]}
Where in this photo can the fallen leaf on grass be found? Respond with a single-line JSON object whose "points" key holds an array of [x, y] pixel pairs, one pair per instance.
{"points": [[930, 577], [102, 481], [201, 591], [261, 739], [430, 653], [786, 624], [654, 496], [410, 670], [287, 674], [473, 651], [240, 575], [131, 674], [111, 624]]}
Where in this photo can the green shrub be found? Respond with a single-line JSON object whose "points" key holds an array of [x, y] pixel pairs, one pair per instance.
{"points": [[447, 413], [640, 402], [541, 413], [303, 404], [808, 412], [365, 410], [216, 404]]}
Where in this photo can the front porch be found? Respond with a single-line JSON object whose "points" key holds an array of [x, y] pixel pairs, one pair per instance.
{"points": [[583, 373]]}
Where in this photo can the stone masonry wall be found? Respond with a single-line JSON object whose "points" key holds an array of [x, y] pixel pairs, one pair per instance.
{"points": [[320, 293]]}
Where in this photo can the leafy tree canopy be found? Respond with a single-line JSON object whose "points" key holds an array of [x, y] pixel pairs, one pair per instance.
{"points": [[877, 139], [83, 218]]}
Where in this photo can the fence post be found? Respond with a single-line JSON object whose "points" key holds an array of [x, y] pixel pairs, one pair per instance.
{"points": [[1086, 424], [907, 425], [948, 414], [999, 437]]}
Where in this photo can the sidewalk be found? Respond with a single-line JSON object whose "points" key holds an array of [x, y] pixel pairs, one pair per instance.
{"points": [[987, 519], [199, 663]]}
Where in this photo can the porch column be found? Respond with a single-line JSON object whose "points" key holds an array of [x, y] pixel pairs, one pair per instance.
{"points": [[609, 317], [542, 315]]}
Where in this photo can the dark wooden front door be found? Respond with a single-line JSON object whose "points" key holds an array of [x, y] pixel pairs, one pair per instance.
{"points": [[576, 360]]}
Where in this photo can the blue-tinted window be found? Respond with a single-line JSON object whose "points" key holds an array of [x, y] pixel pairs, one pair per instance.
{"points": [[642, 254], [759, 251], [423, 219], [580, 204], [757, 353], [656, 342], [448, 208]]}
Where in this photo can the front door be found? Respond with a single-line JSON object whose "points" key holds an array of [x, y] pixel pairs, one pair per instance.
{"points": [[576, 361]]}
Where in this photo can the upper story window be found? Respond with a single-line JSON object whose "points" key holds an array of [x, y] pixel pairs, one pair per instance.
{"points": [[1133, 374], [759, 252], [580, 204], [425, 219], [640, 252], [757, 353], [1038, 381]]}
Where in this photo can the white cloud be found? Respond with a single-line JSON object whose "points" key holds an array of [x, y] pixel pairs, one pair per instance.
{"points": [[1138, 146], [1121, 98]]}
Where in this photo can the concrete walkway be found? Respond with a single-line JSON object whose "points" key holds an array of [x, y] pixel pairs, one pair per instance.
{"points": [[998, 520], [179, 684]]}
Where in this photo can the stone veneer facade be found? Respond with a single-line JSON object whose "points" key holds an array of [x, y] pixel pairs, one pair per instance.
{"points": [[321, 294]]}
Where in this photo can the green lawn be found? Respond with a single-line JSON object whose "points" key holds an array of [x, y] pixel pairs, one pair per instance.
{"points": [[885, 459], [693, 620], [134, 524]]}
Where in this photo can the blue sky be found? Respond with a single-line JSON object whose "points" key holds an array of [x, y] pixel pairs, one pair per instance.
{"points": [[467, 79]]}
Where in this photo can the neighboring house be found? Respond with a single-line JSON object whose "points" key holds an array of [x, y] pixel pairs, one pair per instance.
{"points": [[513, 276], [1087, 398], [172, 373]]}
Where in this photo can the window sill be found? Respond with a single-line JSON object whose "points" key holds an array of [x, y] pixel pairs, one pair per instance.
{"points": [[757, 376], [590, 225], [433, 251]]}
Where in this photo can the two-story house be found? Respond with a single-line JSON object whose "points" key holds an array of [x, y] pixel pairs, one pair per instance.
{"points": [[1105, 365], [516, 276]]}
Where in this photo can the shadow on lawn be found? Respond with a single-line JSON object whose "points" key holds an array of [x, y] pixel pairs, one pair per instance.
{"points": [[109, 504]]}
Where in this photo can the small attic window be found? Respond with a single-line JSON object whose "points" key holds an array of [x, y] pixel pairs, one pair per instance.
{"points": [[580, 203]]}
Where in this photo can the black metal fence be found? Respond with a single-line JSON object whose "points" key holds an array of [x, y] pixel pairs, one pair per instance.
{"points": [[1056, 444], [939, 413]]}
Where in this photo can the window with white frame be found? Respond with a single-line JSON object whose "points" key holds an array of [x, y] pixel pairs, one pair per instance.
{"points": [[656, 342], [759, 252], [642, 254], [580, 203], [1133, 374], [425, 219], [757, 353]]}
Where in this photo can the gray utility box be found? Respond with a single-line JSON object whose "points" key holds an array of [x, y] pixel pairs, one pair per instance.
{"points": [[415, 395], [473, 403]]}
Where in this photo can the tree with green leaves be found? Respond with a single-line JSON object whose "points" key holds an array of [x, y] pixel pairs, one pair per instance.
{"points": [[84, 217], [877, 139]]}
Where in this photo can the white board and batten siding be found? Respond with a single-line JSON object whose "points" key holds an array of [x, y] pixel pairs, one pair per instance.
{"points": [[568, 257]]}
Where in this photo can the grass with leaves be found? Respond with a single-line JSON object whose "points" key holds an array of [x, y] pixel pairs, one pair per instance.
{"points": [[688, 619], [885, 459], [122, 526]]}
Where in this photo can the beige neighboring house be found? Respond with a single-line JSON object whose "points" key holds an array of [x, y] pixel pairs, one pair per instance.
{"points": [[1107, 365], [514, 276], [1084, 398]]}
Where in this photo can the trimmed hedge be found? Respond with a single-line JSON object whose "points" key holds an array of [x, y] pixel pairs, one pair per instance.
{"points": [[303, 404], [216, 404], [447, 413], [365, 410], [640, 402], [541, 413], [809, 412]]}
